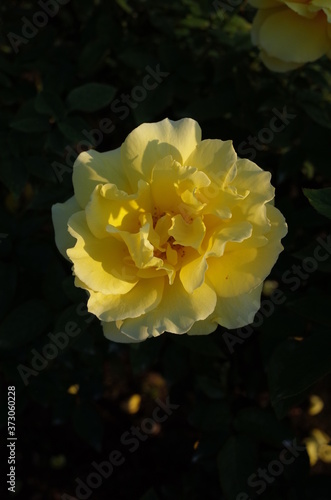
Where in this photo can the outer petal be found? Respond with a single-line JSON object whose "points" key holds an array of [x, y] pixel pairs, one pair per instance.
{"points": [[112, 332], [303, 40], [250, 176], [257, 183], [325, 4], [100, 264], [61, 213], [204, 327], [238, 272], [92, 168], [231, 312], [278, 65], [214, 157], [151, 142], [176, 313], [260, 17], [303, 8], [235, 312], [145, 296]]}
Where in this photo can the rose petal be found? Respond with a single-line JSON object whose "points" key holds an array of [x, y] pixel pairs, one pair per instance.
{"points": [[143, 297], [61, 212], [303, 40], [238, 272], [99, 263], [150, 142], [92, 168], [238, 311], [176, 313]]}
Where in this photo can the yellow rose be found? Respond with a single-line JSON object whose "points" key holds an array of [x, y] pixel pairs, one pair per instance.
{"points": [[291, 33], [169, 233]]}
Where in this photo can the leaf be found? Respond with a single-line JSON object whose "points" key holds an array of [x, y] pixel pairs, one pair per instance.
{"points": [[50, 104], [210, 387], [320, 199], [262, 425], [51, 284], [204, 345], [40, 167], [156, 101], [313, 307], [295, 366], [236, 462], [88, 425], [213, 107], [76, 318], [8, 273], [31, 125], [91, 97], [73, 127], [13, 174], [5, 81], [125, 6], [143, 355], [211, 416], [74, 293], [316, 107], [24, 323], [195, 22]]}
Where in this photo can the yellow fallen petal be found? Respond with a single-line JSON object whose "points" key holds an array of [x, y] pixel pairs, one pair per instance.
{"points": [[312, 450], [132, 405], [320, 436], [324, 453], [73, 389], [316, 405]]}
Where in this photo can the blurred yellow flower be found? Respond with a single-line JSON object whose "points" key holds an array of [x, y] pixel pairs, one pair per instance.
{"points": [[318, 447], [316, 405], [132, 405], [290, 34], [169, 233]]}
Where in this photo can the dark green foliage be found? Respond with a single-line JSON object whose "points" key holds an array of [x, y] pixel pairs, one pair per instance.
{"points": [[72, 85]]}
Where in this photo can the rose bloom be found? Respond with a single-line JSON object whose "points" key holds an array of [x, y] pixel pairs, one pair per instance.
{"points": [[169, 233], [291, 33]]}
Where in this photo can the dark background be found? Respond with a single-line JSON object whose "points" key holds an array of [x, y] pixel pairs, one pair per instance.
{"points": [[236, 409]]}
